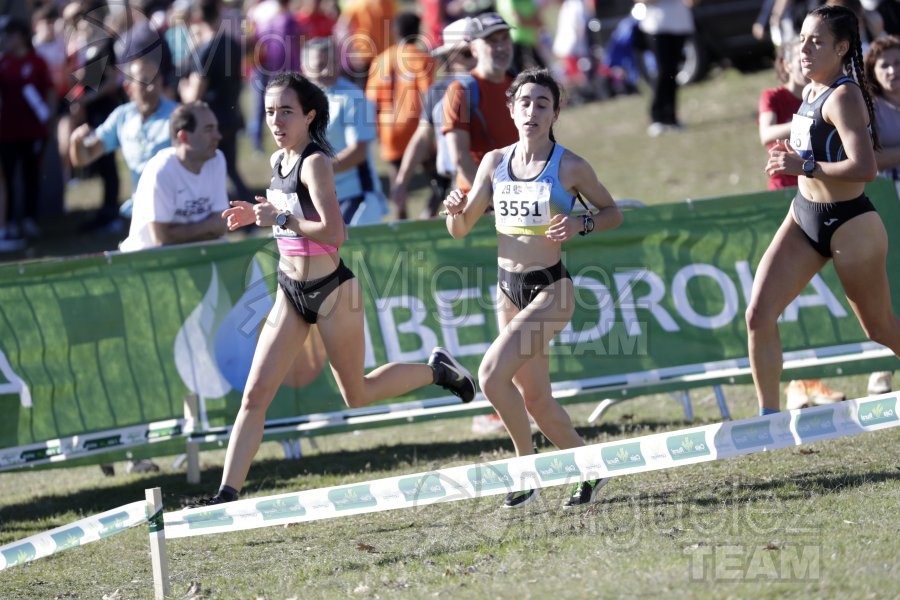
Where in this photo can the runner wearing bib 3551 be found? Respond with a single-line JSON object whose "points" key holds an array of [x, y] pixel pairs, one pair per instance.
{"points": [[532, 185]]}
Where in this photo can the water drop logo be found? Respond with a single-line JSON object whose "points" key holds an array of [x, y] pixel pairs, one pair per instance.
{"points": [[236, 337], [194, 344], [11, 383]]}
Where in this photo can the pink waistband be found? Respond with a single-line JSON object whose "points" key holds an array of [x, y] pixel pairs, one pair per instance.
{"points": [[300, 246]]}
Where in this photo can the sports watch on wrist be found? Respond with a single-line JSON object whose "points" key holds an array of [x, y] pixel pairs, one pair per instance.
{"points": [[809, 167], [282, 219], [587, 225]]}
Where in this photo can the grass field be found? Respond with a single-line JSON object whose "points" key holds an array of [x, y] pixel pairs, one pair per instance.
{"points": [[818, 521]]}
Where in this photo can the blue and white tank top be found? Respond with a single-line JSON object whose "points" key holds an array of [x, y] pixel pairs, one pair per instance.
{"points": [[525, 206]]}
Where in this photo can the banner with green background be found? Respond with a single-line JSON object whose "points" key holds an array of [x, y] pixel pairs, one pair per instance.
{"points": [[109, 341]]}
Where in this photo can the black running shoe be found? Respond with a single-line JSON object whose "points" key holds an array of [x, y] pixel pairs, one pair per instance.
{"points": [[520, 499], [585, 492], [451, 375], [217, 499]]}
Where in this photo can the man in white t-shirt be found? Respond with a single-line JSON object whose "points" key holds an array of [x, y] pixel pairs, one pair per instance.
{"points": [[182, 192]]}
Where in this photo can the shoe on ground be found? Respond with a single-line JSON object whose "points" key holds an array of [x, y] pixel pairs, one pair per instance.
{"points": [[879, 382], [491, 423], [796, 395], [804, 393], [451, 375], [108, 470], [820, 393], [656, 129], [217, 499], [520, 499], [585, 492], [145, 465]]}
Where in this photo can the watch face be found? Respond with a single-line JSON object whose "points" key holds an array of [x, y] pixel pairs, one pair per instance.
{"points": [[809, 165], [281, 220]]}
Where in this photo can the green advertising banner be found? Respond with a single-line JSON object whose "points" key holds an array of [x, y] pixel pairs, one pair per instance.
{"points": [[113, 341]]}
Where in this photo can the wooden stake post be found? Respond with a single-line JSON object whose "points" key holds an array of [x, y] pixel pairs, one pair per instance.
{"points": [[158, 556]]}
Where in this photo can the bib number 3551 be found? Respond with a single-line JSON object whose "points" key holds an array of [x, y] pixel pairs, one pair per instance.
{"points": [[522, 204]]}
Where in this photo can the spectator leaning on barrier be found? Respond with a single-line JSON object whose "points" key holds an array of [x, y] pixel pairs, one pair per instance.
{"points": [[140, 128], [476, 119], [351, 132], [181, 194]]}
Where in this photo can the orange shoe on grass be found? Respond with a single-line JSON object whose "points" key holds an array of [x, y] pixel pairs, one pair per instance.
{"points": [[803, 393]]}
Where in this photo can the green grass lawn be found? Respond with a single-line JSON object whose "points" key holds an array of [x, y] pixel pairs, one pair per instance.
{"points": [[818, 521]]}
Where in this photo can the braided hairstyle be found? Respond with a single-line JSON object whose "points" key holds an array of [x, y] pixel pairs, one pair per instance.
{"points": [[311, 97], [844, 25], [537, 76]]}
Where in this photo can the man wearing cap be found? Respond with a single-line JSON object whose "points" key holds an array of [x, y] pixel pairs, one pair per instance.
{"points": [[428, 138], [475, 128]]}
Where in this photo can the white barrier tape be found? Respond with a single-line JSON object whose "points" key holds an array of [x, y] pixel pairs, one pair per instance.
{"points": [[73, 535], [85, 444], [610, 459]]}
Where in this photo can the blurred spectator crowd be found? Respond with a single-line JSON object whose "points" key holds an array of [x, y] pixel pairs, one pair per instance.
{"points": [[64, 72]]}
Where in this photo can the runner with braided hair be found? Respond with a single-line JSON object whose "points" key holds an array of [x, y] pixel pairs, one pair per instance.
{"points": [[832, 151]]}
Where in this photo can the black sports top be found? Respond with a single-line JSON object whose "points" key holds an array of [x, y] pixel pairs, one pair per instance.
{"points": [[811, 135]]}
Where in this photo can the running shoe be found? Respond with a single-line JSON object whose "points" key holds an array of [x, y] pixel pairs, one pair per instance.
{"points": [[451, 375], [879, 382], [585, 492], [520, 499]]}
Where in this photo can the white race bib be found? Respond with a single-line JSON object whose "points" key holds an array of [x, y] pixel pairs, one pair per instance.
{"points": [[801, 141], [522, 203], [284, 202]]}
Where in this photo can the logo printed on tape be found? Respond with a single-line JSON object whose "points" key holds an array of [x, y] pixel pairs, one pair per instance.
{"points": [[104, 442], [162, 432], [623, 456], [19, 554], [751, 435], [814, 425], [68, 538], [357, 496], [425, 487], [113, 524], [490, 477], [878, 412], [550, 468], [280, 508], [691, 445], [210, 518], [40, 453]]}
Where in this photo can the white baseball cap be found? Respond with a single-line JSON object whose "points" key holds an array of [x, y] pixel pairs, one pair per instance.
{"points": [[456, 36]]}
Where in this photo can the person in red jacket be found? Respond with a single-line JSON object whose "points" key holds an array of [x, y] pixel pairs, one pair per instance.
{"points": [[27, 108]]}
